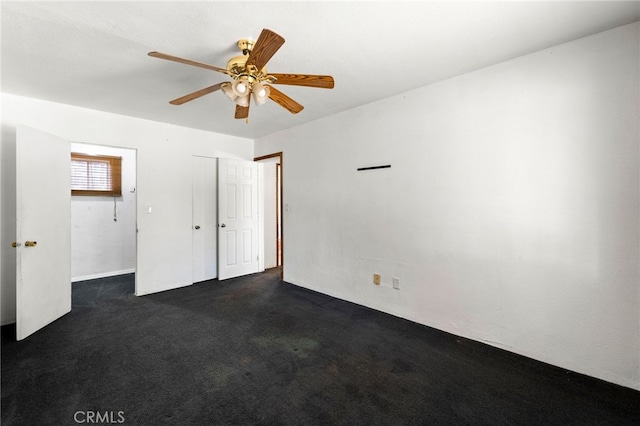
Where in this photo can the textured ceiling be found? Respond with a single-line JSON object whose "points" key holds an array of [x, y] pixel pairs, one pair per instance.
{"points": [[94, 54]]}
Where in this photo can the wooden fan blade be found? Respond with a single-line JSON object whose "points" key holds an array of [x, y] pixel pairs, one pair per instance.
{"points": [[321, 81], [284, 101], [187, 61], [242, 112], [266, 46], [196, 95]]}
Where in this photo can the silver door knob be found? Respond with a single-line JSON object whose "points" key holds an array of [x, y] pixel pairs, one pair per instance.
{"points": [[197, 226], [223, 226]]}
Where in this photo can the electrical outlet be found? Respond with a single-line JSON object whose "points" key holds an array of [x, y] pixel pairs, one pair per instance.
{"points": [[396, 283], [376, 279]]}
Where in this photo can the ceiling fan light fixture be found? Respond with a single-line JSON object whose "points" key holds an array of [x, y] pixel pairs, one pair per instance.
{"points": [[240, 87], [228, 91], [243, 101], [260, 93]]}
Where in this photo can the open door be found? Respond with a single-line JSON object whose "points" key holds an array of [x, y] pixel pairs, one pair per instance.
{"points": [[43, 230], [238, 227]]}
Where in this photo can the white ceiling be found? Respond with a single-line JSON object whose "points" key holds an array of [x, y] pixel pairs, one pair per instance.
{"points": [[94, 54]]}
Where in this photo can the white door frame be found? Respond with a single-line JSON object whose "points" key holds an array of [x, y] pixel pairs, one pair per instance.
{"points": [[278, 155]]}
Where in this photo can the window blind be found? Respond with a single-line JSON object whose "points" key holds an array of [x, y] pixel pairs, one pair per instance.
{"points": [[95, 175]]}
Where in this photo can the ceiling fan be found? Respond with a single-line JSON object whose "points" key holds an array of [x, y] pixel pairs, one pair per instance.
{"points": [[250, 76]]}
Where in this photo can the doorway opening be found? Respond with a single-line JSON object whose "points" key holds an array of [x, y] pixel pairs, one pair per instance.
{"points": [[103, 232], [274, 223], [278, 214]]}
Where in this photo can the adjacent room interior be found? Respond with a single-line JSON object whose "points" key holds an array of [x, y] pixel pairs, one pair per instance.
{"points": [[473, 176]]}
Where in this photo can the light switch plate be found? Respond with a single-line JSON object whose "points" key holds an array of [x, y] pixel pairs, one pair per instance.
{"points": [[396, 283]]}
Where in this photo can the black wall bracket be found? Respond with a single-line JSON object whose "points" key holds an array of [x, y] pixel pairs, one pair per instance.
{"points": [[388, 166]]}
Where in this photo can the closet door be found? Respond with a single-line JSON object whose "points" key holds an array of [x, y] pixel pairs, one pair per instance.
{"points": [[238, 225], [205, 218]]}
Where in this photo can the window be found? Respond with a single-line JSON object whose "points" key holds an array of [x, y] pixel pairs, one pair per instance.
{"points": [[96, 175]]}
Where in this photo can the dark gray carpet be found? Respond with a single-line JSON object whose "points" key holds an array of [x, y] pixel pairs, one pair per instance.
{"points": [[258, 351]]}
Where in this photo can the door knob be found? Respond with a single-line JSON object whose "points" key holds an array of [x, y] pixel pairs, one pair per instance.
{"points": [[30, 243], [223, 226], [197, 226], [15, 244]]}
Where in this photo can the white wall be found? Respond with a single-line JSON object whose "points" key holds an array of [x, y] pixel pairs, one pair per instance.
{"points": [[510, 213], [164, 156], [100, 246]]}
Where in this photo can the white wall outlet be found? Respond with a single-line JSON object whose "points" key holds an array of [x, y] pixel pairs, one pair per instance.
{"points": [[396, 283]]}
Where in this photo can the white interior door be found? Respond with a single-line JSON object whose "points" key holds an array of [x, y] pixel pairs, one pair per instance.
{"points": [[238, 226], [205, 218], [43, 230]]}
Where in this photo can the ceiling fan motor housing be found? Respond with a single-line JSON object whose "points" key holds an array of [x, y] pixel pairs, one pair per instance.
{"points": [[238, 66]]}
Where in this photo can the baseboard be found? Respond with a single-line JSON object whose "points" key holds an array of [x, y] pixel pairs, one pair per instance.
{"points": [[102, 275]]}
